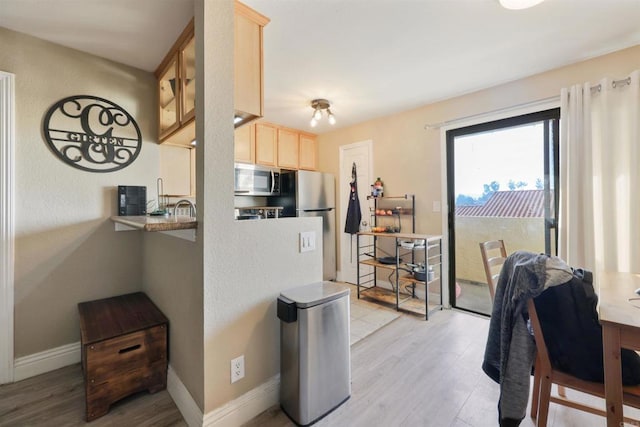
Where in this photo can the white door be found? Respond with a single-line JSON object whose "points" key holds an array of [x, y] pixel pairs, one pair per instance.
{"points": [[361, 154], [7, 223]]}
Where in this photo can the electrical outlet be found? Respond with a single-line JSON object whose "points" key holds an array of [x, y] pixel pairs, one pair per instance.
{"points": [[307, 241], [237, 369]]}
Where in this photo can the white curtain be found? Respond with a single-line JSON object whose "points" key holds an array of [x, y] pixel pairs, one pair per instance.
{"points": [[599, 216]]}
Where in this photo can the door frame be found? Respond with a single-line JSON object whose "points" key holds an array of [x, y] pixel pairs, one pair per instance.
{"points": [[368, 144], [7, 223], [490, 116]]}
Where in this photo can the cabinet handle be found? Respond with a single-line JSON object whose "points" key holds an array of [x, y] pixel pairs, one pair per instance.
{"points": [[273, 181], [128, 349]]}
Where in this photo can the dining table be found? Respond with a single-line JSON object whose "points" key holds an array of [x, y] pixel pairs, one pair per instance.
{"points": [[619, 313]]}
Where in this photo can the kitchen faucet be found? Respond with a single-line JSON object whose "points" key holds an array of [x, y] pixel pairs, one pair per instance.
{"points": [[192, 207]]}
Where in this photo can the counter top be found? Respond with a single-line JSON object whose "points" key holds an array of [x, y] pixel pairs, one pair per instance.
{"points": [[261, 207], [157, 223]]}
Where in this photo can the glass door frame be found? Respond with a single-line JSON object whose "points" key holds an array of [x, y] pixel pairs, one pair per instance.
{"points": [[551, 117]]}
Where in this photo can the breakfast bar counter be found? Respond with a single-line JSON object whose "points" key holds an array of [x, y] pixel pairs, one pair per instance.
{"points": [[155, 223]]}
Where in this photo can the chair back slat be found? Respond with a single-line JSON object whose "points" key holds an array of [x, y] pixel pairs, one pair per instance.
{"points": [[543, 353], [494, 255]]}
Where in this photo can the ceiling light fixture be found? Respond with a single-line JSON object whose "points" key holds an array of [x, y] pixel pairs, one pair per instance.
{"points": [[320, 105], [519, 4]]}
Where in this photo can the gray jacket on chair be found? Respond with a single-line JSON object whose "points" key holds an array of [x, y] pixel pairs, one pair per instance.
{"points": [[510, 350]]}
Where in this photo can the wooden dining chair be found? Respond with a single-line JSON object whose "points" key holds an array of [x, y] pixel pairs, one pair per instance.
{"points": [[493, 256], [547, 375]]}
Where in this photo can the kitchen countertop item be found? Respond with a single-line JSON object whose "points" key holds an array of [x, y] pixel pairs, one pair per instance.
{"points": [[265, 212]]}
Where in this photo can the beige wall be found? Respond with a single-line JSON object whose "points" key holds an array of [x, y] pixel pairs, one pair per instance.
{"points": [[408, 158], [518, 234], [66, 249], [172, 277], [219, 293], [245, 264]]}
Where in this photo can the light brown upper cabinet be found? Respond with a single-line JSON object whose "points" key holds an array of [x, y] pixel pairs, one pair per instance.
{"points": [[288, 148], [169, 106], [188, 80], [245, 144], [273, 145], [266, 144], [177, 73], [176, 90], [177, 169], [308, 152], [249, 81]]}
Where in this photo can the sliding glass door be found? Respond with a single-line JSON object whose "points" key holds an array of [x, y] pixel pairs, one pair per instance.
{"points": [[501, 181]]}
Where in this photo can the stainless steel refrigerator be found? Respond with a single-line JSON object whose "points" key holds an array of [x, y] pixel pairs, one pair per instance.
{"points": [[311, 194]]}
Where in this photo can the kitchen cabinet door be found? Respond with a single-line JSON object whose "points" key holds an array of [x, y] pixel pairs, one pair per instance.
{"points": [[308, 152], [176, 169], [245, 144], [287, 149], [248, 57], [176, 85], [266, 144], [168, 95], [188, 80]]}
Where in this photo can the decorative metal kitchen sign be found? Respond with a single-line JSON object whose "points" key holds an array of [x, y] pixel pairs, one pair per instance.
{"points": [[92, 134]]}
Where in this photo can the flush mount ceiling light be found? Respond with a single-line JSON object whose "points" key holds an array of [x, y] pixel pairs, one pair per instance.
{"points": [[519, 4], [320, 105]]}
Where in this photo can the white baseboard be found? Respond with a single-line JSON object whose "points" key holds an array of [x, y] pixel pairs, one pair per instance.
{"points": [[45, 361], [188, 407], [233, 413], [245, 407]]}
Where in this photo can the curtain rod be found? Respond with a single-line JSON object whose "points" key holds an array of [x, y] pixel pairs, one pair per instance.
{"points": [[486, 113], [595, 88], [614, 84]]}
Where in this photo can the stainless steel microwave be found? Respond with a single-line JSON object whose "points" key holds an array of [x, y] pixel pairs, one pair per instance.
{"points": [[256, 180]]}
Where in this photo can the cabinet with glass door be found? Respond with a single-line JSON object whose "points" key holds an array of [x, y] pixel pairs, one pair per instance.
{"points": [[176, 90]]}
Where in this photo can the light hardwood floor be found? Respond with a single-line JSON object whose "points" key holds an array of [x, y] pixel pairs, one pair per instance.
{"points": [[408, 373], [57, 399], [417, 373]]}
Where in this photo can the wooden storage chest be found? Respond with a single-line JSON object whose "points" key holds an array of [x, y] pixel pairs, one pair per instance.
{"points": [[124, 349]]}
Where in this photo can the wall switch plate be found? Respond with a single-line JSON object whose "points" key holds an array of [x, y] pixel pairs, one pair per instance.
{"points": [[307, 241], [237, 369]]}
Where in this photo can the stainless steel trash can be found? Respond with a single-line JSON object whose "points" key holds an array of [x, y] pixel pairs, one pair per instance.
{"points": [[315, 356]]}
